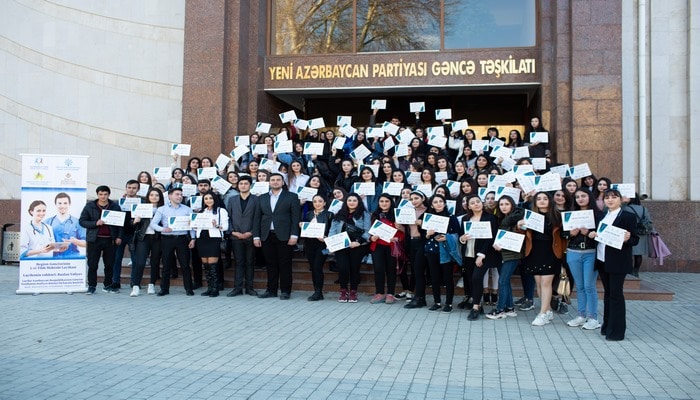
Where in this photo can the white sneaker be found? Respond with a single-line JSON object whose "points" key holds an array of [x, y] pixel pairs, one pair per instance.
{"points": [[541, 320], [550, 315], [576, 322], [151, 288], [460, 283], [135, 291], [591, 324]]}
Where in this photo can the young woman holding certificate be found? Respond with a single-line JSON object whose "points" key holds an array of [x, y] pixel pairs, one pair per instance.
{"points": [[543, 253], [479, 254], [313, 247], [209, 239], [383, 260], [147, 242], [614, 264]]}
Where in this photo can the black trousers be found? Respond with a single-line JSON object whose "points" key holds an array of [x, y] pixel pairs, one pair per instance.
{"points": [[149, 245], [384, 270], [348, 262], [314, 253], [614, 310], [104, 247], [416, 255], [474, 279], [196, 266], [278, 261], [176, 246], [441, 275], [243, 252]]}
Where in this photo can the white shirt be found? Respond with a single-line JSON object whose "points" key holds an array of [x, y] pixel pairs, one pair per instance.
{"points": [[608, 219]]}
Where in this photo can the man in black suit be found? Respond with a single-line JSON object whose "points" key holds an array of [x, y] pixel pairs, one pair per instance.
{"points": [[277, 231], [241, 210]]}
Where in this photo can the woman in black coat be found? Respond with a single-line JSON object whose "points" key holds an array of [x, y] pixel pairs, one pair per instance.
{"points": [[614, 265]]}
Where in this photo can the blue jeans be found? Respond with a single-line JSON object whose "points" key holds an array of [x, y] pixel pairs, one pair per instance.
{"points": [[505, 291], [528, 285], [581, 264], [127, 240]]}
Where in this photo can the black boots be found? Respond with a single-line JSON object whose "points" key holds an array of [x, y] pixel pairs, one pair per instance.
{"points": [[318, 294], [212, 288]]}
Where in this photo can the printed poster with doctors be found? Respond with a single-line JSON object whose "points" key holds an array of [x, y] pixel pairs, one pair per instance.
{"points": [[52, 242]]}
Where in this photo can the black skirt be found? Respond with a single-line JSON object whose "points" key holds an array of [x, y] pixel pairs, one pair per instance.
{"points": [[541, 260], [208, 246]]}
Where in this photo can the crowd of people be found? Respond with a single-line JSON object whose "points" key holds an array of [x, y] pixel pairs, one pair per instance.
{"points": [[352, 181]]}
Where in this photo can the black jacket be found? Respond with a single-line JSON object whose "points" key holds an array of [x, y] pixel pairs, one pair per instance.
{"points": [[91, 214]]}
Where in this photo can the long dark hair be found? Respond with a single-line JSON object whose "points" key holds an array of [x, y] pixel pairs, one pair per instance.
{"points": [[431, 210], [552, 213], [161, 200], [217, 202], [344, 212], [388, 214]]}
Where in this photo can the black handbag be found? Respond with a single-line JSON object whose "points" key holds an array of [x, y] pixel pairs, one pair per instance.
{"points": [[354, 232], [431, 247], [644, 225]]}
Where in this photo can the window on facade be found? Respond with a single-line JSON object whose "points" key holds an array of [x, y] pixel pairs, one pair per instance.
{"points": [[347, 26]]}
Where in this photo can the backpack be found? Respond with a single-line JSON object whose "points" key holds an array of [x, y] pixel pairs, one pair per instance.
{"points": [[644, 225]]}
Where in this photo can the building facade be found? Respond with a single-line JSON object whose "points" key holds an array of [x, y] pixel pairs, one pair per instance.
{"points": [[612, 81]]}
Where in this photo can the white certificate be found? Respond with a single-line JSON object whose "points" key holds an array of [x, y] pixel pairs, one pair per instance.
{"points": [[337, 242], [610, 235], [401, 150], [539, 163], [418, 106], [162, 173], [180, 149], [195, 202], [509, 240], [143, 190], [405, 215], [424, 188], [201, 221], [548, 182], [263, 127], [366, 188], [360, 153], [626, 189], [389, 143], [375, 133], [580, 171], [443, 113], [259, 188], [288, 116], [562, 170], [269, 165], [577, 219], [392, 188], [179, 223], [437, 141], [125, 203], [317, 123], [306, 193], [338, 143], [451, 206], [378, 105], [286, 146], [189, 189], [115, 218], [500, 151], [460, 125], [239, 152], [206, 173], [436, 223], [524, 169], [441, 177], [513, 193], [508, 164], [335, 206], [405, 203], [384, 231], [405, 136], [243, 140], [258, 149], [313, 148], [314, 230], [301, 124], [496, 181], [374, 168], [413, 178], [534, 221], [478, 229], [454, 187], [142, 210], [435, 131], [222, 161], [390, 128], [542, 137], [482, 192], [527, 183], [347, 130], [496, 142], [480, 145], [220, 184], [520, 152], [343, 120]]}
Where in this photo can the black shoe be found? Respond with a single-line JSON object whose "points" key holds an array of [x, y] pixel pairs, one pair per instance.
{"points": [[206, 293], [251, 292], [163, 293], [447, 308], [416, 302], [473, 315], [190, 292], [494, 299], [234, 292], [435, 307], [214, 293], [284, 296], [267, 294], [487, 298], [316, 296], [463, 304]]}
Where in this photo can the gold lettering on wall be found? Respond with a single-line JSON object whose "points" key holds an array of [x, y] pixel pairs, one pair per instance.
{"points": [[403, 69]]}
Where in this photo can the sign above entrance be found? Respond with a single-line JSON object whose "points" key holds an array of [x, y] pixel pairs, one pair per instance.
{"points": [[408, 69]]}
